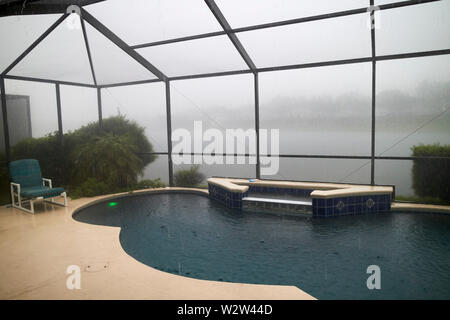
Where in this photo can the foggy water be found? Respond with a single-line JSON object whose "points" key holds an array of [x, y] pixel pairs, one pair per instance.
{"points": [[390, 172]]}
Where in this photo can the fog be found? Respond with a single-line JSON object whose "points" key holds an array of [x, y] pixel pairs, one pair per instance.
{"points": [[325, 110]]}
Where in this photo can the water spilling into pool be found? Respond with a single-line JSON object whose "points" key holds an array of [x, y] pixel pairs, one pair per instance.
{"points": [[328, 258]]}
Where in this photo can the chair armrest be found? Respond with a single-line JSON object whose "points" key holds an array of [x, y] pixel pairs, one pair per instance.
{"points": [[16, 185], [49, 181]]}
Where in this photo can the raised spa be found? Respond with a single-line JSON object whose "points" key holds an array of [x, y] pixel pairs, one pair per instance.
{"points": [[323, 200]]}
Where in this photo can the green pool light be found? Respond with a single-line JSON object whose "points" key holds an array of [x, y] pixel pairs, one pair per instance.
{"points": [[112, 204]]}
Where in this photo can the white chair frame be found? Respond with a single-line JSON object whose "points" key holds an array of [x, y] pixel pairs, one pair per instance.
{"points": [[15, 192]]}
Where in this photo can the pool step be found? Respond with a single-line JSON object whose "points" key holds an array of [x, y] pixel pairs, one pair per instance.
{"points": [[277, 205]]}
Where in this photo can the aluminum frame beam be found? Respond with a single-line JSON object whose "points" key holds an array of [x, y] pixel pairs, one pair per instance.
{"points": [[59, 113], [305, 156], [374, 75], [88, 50], [129, 83], [169, 134], [121, 44], [5, 120], [99, 106], [67, 83], [233, 38], [258, 162]]}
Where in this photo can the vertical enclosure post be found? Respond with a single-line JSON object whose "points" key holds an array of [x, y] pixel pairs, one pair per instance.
{"points": [[60, 133], [58, 108], [99, 103], [372, 142], [5, 120], [169, 133], [258, 167]]}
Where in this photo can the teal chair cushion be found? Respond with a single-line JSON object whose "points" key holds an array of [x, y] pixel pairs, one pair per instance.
{"points": [[40, 191], [25, 172]]}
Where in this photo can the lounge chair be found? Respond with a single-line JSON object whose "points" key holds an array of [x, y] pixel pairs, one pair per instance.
{"points": [[28, 185]]}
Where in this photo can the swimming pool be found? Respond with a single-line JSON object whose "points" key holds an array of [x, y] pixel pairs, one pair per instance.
{"points": [[195, 237]]}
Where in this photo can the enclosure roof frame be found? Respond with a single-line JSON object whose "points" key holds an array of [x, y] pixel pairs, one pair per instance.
{"points": [[230, 32]]}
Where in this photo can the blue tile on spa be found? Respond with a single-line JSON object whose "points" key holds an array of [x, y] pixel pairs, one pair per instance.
{"points": [[351, 209], [352, 200], [337, 200], [315, 210], [322, 211], [327, 202]]}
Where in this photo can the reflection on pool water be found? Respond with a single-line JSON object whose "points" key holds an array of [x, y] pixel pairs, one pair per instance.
{"points": [[192, 236]]}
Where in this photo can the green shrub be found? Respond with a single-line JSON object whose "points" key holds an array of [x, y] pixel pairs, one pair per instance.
{"points": [[145, 184], [117, 126], [90, 188], [188, 178], [431, 177], [110, 159], [111, 156]]}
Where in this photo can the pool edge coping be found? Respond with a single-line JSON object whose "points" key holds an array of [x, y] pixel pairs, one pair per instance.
{"points": [[419, 207]]}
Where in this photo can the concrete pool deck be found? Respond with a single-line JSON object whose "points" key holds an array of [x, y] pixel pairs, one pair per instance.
{"points": [[36, 250]]}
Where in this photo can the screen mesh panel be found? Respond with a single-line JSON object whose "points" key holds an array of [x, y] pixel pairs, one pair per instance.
{"points": [[208, 55], [60, 56]]}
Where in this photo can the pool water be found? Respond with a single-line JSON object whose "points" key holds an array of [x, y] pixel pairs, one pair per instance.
{"points": [[192, 236]]}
